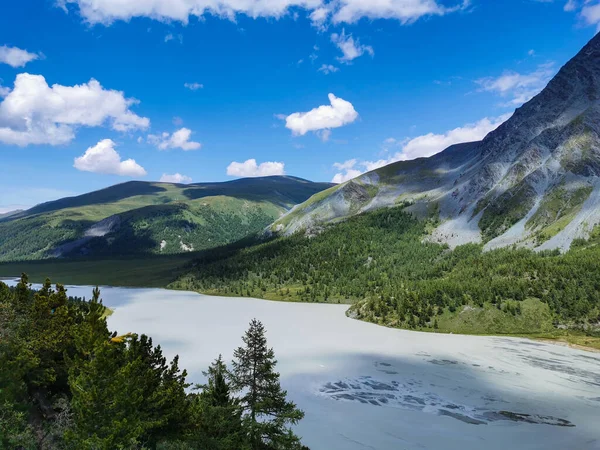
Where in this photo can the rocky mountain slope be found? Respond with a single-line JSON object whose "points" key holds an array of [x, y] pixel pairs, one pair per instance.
{"points": [[139, 217], [533, 182]]}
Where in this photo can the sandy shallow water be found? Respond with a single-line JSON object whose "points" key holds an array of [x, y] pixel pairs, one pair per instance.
{"points": [[368, 387]]}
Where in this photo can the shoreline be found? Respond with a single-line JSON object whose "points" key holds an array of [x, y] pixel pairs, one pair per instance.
{"points": [[559, 341]]}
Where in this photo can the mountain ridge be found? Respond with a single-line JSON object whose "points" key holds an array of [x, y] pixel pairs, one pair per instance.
{"points": [[144, 217], [532, 182]]}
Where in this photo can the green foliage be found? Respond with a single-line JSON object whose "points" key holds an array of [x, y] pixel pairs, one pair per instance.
{"points": [[506, 210], [379, 262], [267, 412], [66, 382], [198, 216], [557, 210], [219, 414], [346, 262]]}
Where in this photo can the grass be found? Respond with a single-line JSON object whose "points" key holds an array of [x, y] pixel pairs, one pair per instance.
{"points": [[506, 210], [316, 198], [557, 210], [535, 317]]}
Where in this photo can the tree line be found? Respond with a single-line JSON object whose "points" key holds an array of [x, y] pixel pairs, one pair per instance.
{"points": [[67, 382], [383, 260]]}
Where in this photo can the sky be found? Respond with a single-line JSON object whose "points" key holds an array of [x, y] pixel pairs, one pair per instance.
{"points": [[99, 92]]}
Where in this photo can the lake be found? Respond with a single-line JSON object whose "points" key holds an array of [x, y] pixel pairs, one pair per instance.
{"points": [[368, 387]]}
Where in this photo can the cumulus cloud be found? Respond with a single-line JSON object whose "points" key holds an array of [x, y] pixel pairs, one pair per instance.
{"points": [[419, 147], [347, 170], [179, 139], [327, 69], [351, 49], [175, 178], [16, 57], [103, 158], [406, 11], [193, 86], [35, 113], [518, 87], [250, 168], [339, 113]]}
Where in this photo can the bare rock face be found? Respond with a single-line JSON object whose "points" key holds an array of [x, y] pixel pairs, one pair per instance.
{"points": [[534, 181]]}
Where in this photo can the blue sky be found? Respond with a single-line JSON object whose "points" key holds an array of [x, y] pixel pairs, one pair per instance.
{"points": [[97, 92]]}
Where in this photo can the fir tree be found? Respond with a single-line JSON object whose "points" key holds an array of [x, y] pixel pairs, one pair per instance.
{"points": [[267, 412], [220, 417]]}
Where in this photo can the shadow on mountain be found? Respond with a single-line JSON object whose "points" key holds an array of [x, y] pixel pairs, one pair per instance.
{"points": [[282, 190]]}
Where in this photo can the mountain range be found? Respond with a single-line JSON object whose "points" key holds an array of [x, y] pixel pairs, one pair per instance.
{"points": [[533, 182], [160, 218]]}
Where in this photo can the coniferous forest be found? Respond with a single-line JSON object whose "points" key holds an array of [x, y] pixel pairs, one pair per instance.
{"points": [[67, 382], [383, 264]]}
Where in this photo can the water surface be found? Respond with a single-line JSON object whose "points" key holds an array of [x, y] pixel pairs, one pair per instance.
{"points": [[368, 387]]}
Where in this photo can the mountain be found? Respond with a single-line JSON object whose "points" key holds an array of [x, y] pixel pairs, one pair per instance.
{"points": [[140, 217], [8, 214], [533, 182]]}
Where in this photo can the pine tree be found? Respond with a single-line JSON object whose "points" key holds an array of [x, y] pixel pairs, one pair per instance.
{"points": [[219, 415], [267, 412]]}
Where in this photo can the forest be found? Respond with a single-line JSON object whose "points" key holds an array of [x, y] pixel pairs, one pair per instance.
{"points": [[67, 382], [382, 263]]}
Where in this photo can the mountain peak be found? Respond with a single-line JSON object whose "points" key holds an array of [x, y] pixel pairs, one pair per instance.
{"points": [[531, 182]]}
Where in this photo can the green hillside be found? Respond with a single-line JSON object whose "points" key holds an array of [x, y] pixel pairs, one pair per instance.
{"points": [[156, 218], [379, 263]]}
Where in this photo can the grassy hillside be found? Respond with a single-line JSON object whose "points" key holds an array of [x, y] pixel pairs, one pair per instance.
{"points": [[150, 218]]}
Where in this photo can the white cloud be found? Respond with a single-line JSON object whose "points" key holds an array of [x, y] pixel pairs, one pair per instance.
{"points": [[327, 69], [319, 16], [4, 91], [338, 114], [179, 139], [406, 11], [419, 147], [16, 57], [348, 171], [351, 49], [324, 135], [193, 86], [171, 37], [571, 5], [35, 113], [591, 14], [108, 11], [250, 168], [175, 178], [521, 87], [430, 144], [103, 158]]}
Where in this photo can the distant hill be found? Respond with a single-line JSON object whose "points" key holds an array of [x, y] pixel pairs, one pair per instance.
{"points": [[10, 213], [533, 182], [140, 217]]}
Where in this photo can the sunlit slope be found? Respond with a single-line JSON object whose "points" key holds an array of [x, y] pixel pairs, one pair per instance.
{"points": [[139, 217]]}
